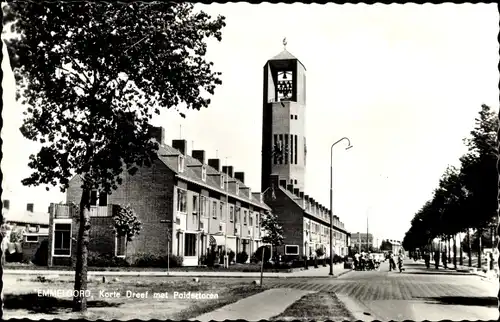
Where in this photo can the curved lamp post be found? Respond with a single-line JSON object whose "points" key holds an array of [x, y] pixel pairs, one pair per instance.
{"points": [[331, 202]]}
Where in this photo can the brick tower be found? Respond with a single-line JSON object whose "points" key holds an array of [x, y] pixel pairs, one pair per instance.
{"points": [[283, 125]]}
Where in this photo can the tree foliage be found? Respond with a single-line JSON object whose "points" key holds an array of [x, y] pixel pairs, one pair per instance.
{"points": [[273, 231], [467, 197], [126, 223], [92, 75]]}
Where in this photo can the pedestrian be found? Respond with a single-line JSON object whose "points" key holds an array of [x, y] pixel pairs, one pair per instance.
{"points": [[436, 259], [392, 263], [427, 258], [445, 260]]}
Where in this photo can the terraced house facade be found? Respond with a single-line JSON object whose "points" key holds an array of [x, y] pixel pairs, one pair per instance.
{"points": [[182, 200]]}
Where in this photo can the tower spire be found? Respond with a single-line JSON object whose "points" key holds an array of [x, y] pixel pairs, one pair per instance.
{"points": [[284, 43]]}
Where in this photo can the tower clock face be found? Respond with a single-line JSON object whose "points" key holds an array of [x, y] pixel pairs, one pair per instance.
{"points": [[285, 82]]}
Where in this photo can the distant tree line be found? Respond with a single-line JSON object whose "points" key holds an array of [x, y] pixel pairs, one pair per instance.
{"points": [[466, 199]]}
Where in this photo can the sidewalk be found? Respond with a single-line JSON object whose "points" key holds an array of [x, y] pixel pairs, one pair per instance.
{"points": [[262, 306], [467, 269], [311, 272]]}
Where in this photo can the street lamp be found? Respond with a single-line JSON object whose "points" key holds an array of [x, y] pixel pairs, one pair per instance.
{"points": [[331, 202]]}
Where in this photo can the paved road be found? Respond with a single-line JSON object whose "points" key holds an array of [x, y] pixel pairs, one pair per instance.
{"points": [[416, 294]]}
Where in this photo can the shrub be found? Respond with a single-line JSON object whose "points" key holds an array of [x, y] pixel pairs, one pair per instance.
{"points": [[41, 257], [242, 257], [96, 259], [231, 256], [158, 261], [258, 254]]}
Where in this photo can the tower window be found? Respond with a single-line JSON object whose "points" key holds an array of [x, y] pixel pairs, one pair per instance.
{"points": [[295, 116], [286, 150], [296, 144], [284, 88], [295, 181], [291, 149], [291, 116]]}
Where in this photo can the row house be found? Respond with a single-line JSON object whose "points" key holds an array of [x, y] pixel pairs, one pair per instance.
{"points": [[306, 223], [184, 201]]}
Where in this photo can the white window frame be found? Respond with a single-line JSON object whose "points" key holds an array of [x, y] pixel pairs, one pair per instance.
{"points": [[298, 250], [31, 241], [116, 247], [245, 217], [180, 167], [178, 201], [204, 173], [214, 215], [62, 221], [196, 206], [231, 213]]}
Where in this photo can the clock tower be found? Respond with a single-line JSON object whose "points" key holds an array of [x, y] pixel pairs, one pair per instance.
{"points": [[283, 122]]}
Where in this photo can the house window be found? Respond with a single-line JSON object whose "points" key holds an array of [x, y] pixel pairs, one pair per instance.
{"points": [[231, 213], [120, 245], [189, 244], [62, 239], [181, 164], [32, 239], [195, 204], [214, 209], [204, 207], [222, 215], [93, 198], [181, 200], [244, 217], [250, 220], [256, 220], [204, 173], [237, 217]]}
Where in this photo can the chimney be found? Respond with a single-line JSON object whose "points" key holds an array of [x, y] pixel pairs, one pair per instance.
{"points": [[240, 176], [283, 183], [6, 204], [296, 192], [258, 196], [199, 155], [302, 200], [157, 133], [214, 163], [290, 188], [29, 207], [180, 145], [228, 170], [275, 179], [306, 201]]}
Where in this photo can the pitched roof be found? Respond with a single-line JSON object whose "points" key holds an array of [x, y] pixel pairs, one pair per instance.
{"points": [[286, 55], [193, 174], [296, 200], [25, 217]]}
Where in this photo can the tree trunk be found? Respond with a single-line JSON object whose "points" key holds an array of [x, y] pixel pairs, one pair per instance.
{"points": [[469, 251], [455, 251], [2, 260], [80, 301], [480, 232], [461, 249]]}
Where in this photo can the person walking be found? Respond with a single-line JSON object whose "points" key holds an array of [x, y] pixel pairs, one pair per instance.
{"points": [[445, 259], [392, 263], [436, 259], [427, 258]]}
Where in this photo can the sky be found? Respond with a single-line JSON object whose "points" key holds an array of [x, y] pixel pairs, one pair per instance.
{"points": [[402, 82]]}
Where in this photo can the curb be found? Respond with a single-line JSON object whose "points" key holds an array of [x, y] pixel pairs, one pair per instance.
{"points": [[359, 311], [164, 274]]}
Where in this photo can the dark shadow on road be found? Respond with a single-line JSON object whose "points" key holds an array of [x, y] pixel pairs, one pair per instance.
{"points": [[488, 301], [45, 304], [437, 272]]}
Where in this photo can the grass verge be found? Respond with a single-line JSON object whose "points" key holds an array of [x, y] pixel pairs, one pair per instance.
{"points": [[318, 306], [23, 300]]}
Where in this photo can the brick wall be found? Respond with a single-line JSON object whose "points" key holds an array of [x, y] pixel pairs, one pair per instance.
{"points": [[150, 194], [290, 216]]}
